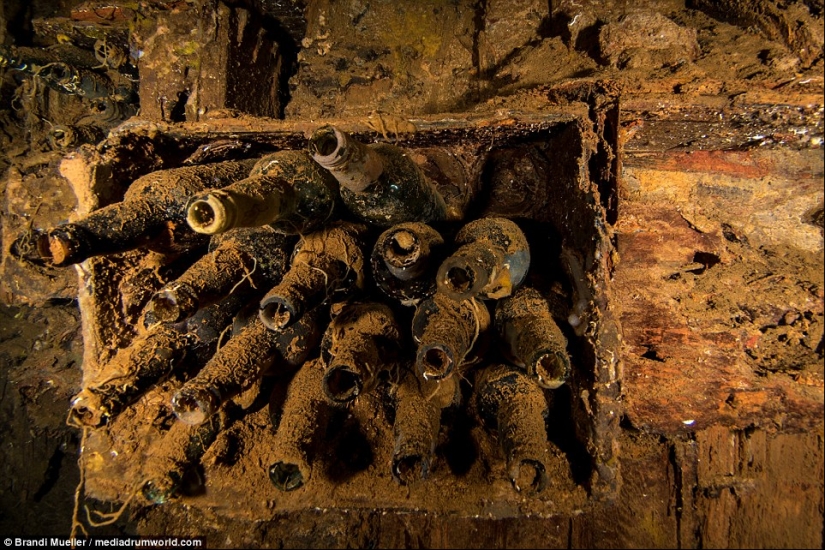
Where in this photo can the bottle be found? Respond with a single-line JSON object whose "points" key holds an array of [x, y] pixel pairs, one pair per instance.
{"points": [[303, 420], [380, 183], [242, 361], [446, 331], [361, 340], [531, 339], [285, 189], [491, 262], [512, 404], [418, 406], [150, 215], [173, 459], [160, 351], [257, 255], [404, 261], [326, 263]]}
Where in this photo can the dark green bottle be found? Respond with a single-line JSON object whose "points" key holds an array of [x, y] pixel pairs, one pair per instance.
{"points": [[380, 183], [243, 360], [286, 190], [531, 339], [362, 340], [446, 331], [404, 261], [151, 215], [325, 264], [511, 403], [257, 255], [491, 262]]}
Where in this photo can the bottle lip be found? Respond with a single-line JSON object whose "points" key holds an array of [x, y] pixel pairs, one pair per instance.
{"points": [[61, 246], [342, 383], [209, 213], [328, 146], [194, 406], [286, 476], [277, 312], [460, 278], [551, 368], [174, 303], [409, 468], [435, 361]]}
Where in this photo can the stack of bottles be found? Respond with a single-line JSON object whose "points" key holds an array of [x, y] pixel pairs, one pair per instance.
{"points": [[361, 267]]}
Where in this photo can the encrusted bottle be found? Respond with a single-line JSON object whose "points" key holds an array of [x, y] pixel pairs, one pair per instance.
{"points": [[243, 360], [383, 184], [513, 405], [362, 339], [303, 420], [151, 215], [531, 339], [172, 461], [419, 403], [326, 263], [286, 190], [446, 331], [160, 351], [257, 256], [491, 262], [404, 261]]}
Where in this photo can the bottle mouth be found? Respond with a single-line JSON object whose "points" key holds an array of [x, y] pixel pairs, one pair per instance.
{"points": [[286, 476], [277, 313], [342, 384], [326, 146], [459, 279], [551, 369], [86, 411], [158, 492], [435, 362], [528, 475], [173, 305], [410, 468], [193, 406], [401, 251], [207, 214], [57, 247]]}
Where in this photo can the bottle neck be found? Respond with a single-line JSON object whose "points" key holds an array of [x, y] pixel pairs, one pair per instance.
{"points": [[355, 165]]}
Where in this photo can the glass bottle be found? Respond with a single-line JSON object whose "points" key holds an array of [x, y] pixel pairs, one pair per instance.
{"points": [[404, 261], [380, 183], [242, 361], [361, 340], [303, 420], [418, 406], [326, 263], [491, 262], [173, 458], [286, 190], [258, 255], [513, 405], [161, 350], [531, 339], [151, 215], [446, 331]]}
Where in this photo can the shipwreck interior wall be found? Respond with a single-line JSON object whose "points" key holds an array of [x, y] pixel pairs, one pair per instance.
{"points": [[670, 186]]}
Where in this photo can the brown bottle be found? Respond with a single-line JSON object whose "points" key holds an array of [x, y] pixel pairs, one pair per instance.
{"points": [[160, 351], [531, 339], [491, 262], [257, 255], [511, 403], [172, 459], [287, 190], [404, 261], [446, 331], [151, 215], [303, 419], [242, 361], [418, 409], [382, 183], [361, 340], [326, 263]]}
